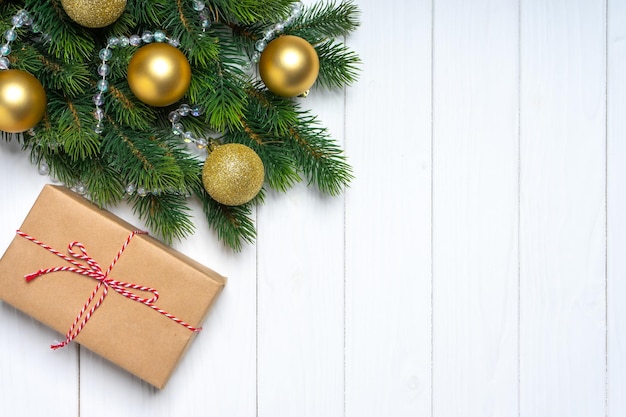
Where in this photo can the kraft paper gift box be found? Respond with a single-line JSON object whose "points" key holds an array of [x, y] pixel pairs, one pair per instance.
{"points": [[132, 334]]}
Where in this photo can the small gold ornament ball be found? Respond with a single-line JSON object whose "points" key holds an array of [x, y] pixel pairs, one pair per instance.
{"points": [[22, 101], [289, 66], [233, 174], [94, 13], [159, 74]]}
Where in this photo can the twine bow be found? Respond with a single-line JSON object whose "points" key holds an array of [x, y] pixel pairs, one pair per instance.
{"points": [[93, 270]]}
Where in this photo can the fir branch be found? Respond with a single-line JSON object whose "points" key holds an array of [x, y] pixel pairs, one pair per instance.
{"points": [[220, 88], [250, 11], [142, 159], [165, 214], [338, 64], [104, 184], [45, 150], [221, 95], [72, 123], [124, 24], [280, 167], [129, 112], [184, 24], [148, 14], [266, 119], [118, 64], [276, 113], [138, 146], [67, 41], [71, 78], [28, 59], [233, 225], [326, 20], [318, 156]]}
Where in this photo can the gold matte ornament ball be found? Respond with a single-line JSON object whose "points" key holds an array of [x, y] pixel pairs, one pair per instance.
{"points": [[289, 66], [233, 174], [159, 74], [94, 13], [22, 101]]}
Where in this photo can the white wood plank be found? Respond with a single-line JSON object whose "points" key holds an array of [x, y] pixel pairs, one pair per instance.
{"points": [[301, 292], [616, 209], [35, 379], [382, 364], [388, 213], [475, 214], [217, 376], [562, 233]]}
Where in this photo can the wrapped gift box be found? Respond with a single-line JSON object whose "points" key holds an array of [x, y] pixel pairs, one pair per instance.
{"points": [[127, 332]]}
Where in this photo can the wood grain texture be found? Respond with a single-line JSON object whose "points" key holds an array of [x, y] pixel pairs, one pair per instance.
{"points": [[474, 268], [616, 208], [300, 259], [33, 378], [562, 282], [301, 293], [388, 250], [475, 212], [218, 373]]}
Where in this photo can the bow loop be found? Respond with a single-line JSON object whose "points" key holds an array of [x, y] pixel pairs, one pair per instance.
{"points": [[83, 256]]}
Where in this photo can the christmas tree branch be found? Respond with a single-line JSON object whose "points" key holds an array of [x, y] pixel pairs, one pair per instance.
{"points": [[165, 214], [326, 20], [233, 225], [319, 157], [138, 153], [103, 182], [126, 111], [338, 64], [63, 40], [250, 11], [73, 128]]}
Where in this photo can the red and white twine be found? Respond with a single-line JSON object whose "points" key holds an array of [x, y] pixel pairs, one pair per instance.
{"points": [[93, 270]]}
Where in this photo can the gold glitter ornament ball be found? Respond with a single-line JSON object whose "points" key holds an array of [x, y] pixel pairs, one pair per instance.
{"points": [[159, 74], [233, 174], [94, 13], [22, 101], [289, 66]]}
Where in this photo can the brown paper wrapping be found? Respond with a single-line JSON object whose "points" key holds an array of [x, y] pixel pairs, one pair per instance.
{"points": [[126, 332]]}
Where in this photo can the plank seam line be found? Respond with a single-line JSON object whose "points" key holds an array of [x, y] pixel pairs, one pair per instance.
{"points": [[606, 207], [432, 170], [519, 206], [256, 319], [345, 254], [78, 350]]}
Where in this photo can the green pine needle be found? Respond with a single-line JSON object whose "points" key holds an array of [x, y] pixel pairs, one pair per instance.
{"points": [[318, 156], [326, 20], [138, 147], [165, 214], [250, 11], [233, 225], [338, 64]]}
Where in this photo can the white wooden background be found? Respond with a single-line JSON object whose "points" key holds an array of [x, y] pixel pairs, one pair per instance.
{"points": [[476, 267]]}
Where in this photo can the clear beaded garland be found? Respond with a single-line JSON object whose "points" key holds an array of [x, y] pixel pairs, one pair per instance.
{"points": [[205, 21], [277, 29], [20, 19], [178, 129], [104, 69]]}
